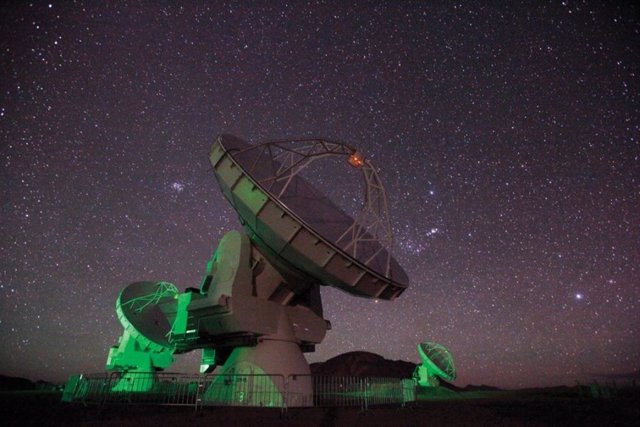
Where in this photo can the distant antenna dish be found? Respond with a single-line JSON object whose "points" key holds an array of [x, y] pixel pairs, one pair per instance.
{"points": [[437, 362], [259, 306]]}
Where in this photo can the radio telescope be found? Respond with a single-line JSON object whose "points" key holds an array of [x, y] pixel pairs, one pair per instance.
{"points": [[258, 308], [437, 362]]}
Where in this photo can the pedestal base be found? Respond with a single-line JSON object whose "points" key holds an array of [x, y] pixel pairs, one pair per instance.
{"points": [[272, 374]]}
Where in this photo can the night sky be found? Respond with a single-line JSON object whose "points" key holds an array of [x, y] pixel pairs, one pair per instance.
{"points": [[508, 139]]}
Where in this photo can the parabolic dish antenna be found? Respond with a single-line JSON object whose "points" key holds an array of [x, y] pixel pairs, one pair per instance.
{"points": [[138, 308], [437, 362], [258, 307], [299, 228]]}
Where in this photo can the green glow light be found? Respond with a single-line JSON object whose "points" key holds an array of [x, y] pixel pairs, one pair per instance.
{"points": [[437, 362]]}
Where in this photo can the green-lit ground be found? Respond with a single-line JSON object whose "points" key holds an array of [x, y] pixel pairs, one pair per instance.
{"points": [[559, 406]]}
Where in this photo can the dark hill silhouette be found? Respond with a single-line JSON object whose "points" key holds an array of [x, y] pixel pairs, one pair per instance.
{"points": [[14, 384], [482, 387], [363, 364]]}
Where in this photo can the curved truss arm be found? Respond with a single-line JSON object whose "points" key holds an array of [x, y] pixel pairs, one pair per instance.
{"points": [[165, 289]]}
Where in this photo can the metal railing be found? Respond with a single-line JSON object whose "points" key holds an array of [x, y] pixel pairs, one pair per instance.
{"points": [[153, 388], [244, 390], [358, 391], [273, 391]]}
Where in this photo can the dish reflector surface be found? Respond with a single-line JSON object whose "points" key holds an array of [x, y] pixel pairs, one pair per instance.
{"points": [[300, 229], [138, 308], [438, 360]]}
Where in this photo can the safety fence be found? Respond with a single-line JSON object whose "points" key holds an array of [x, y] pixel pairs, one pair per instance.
{"points": [[354, 391], [274, 391]]}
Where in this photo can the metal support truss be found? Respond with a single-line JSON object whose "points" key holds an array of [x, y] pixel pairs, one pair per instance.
{"points": [[165, 289]]}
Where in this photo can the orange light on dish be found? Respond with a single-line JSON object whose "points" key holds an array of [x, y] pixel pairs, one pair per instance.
{"points": [[356, 159]]}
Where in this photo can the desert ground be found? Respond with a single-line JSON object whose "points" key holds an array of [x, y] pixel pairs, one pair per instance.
{"points": [[540, 407]]}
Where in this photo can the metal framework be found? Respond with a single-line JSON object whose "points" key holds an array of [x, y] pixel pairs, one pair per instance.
{"points": [[160, 388], [164, 290], [372, 224]]}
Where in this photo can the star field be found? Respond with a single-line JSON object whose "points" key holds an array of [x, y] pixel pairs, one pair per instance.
{"points": [[507, 137]]}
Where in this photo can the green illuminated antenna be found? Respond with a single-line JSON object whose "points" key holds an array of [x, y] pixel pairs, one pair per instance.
{"points": [[259, 308], [437, 362]]}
